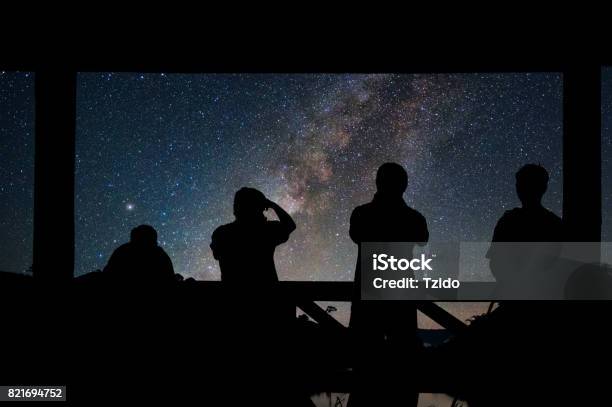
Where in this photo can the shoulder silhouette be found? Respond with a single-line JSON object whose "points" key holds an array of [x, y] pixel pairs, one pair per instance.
{"points": [[387, 218], [141, 259], [245, 247], [532, 222], [515, 261]]}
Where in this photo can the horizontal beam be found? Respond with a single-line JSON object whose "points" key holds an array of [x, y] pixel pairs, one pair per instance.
{"points": [[299, 290], [304, 292], [155, 62]]}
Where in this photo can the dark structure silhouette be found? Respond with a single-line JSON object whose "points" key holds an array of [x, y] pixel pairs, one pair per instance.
{"points": [[141, 260], [386, 325], [534, 354], [527, 240], [245, 247]]}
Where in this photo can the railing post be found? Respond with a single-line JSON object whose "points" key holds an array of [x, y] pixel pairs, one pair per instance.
{"points": [[582, 152], [54, 175]]}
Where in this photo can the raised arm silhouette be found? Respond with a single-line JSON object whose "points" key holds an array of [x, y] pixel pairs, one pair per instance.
{"points": [[390, 325], [141, 260], [245, 247]]}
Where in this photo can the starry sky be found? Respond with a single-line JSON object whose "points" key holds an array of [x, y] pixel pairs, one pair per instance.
{"points": [[16, 170], [171, 150]]}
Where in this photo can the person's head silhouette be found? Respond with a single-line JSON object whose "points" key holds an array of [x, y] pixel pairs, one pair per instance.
{"points": [[249, 204], [144, 236], [531, 184], [391, 179]]}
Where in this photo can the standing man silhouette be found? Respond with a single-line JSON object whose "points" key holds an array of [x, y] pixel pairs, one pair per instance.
{"points": [[519, 266], [391, 325]]}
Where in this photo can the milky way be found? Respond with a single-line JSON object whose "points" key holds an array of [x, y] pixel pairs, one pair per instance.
{"points": [[171, 150]]}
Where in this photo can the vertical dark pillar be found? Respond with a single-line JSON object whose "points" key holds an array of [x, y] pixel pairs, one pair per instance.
{"points": [[582, 152], [54, 175]]}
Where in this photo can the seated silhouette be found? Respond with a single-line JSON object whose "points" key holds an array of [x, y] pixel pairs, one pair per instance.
{"points": [[245, 247], [141, 259], [520, 269], [390, 324]]}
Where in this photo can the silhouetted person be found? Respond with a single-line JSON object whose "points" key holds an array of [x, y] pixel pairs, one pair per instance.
{"points": [[245, 247], [245, 251], [141, 259], [385, 324], [518, 267]]}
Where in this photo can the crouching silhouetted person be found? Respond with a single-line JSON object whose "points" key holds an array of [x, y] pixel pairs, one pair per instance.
{"points": [[141, 260]]}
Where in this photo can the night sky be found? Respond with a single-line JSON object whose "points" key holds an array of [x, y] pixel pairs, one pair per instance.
{"points": [[16, 170], [171, 150]]}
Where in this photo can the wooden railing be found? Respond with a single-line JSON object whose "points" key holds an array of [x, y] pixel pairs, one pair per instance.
{"points": [[306, 293]]}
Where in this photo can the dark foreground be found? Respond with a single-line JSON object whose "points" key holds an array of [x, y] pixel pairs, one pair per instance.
{"points": [[193, 343]]}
